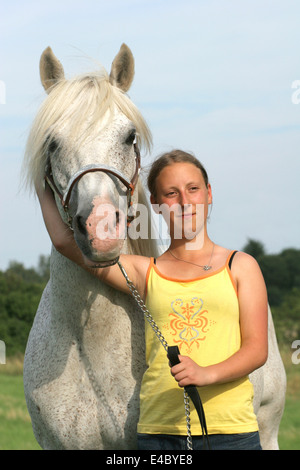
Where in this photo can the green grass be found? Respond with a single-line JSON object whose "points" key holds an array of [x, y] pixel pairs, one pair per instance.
{"points": [[16, 431], [15, 425], [289, 433]]}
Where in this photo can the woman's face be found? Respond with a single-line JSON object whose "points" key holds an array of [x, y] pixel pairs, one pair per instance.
{"points": [[183, 197]]}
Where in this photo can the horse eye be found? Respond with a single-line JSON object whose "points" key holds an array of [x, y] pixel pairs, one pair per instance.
{"points": [[52, 146], [131, 139]]}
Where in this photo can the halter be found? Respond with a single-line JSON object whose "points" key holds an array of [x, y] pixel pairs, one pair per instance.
{"points": [[66, 195]]}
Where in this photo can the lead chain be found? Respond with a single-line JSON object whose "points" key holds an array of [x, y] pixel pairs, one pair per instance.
{"points": [[163, 342], [186, 399]]}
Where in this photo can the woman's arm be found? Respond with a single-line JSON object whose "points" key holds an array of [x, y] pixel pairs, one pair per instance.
{"points": [[63, 241], [253, 305], [60, 234]]}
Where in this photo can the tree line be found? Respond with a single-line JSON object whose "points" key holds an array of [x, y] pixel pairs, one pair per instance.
{"points": [[21, 289], [20, 292], [282, 276]]}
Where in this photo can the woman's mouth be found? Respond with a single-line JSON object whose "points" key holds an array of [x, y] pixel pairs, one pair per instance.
{"points": [[186, 215]]}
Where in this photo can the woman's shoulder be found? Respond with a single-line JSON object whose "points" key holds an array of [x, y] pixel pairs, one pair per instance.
{"points": [[244, 259], [245, 267], [135, 267], [137, 262], [239, 262], [239, 256]]}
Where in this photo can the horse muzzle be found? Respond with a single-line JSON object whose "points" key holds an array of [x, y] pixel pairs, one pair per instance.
{"points": [[100, 231]]}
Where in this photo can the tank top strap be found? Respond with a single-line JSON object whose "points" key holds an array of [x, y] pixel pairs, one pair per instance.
{"points": [[152, 262], [231, 258]]}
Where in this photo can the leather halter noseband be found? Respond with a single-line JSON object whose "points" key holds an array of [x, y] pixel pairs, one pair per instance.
{"points": [[65, 197]]}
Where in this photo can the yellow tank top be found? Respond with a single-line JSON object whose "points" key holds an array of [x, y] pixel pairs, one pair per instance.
{"points": [[201, 317]]}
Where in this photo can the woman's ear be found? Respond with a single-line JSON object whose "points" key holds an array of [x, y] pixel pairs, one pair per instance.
{"points": [[209, 191], [154, 204], [152, 199]]}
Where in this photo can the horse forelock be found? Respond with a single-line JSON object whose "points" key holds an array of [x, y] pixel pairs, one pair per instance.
{"points": [[82, 104]]}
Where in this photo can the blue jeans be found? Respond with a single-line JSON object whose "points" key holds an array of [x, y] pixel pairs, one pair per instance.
{"points": [[243, 441]]}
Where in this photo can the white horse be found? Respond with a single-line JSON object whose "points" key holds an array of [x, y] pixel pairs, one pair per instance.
{"points": [[84, 359]]}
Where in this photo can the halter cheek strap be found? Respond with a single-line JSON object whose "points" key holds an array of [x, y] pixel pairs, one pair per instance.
{"points": [[65, 197]]}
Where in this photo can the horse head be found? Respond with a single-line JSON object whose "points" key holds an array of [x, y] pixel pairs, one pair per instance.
{"points": [[85, 141]]}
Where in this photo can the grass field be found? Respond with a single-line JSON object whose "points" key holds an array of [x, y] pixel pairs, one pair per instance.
{"points": [[289, 434], [15, 426]]}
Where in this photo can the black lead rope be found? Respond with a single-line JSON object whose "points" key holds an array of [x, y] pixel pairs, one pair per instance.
{"points": [[173, 353]]}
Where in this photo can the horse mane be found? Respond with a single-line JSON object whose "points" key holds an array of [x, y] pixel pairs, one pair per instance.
{"points": [[82, 99], [145, 246]]}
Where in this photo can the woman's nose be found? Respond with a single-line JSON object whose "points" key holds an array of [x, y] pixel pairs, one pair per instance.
{"points": [[183, 199]]}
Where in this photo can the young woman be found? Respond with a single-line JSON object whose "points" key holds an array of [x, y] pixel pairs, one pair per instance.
{"points": [[208, 300]]}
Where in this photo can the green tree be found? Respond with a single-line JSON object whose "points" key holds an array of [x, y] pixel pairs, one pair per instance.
{"points": [[254, 248], [286, 317], [291, 257], [277, 277], [282, 276], [20, 292]]}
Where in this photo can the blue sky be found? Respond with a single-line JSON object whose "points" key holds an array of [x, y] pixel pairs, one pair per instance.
{"points": [[213, 77]]}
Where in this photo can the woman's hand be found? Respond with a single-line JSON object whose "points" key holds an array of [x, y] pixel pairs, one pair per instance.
{"points": [[190, 373]]}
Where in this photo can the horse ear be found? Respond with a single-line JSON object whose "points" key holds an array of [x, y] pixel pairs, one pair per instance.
{"points": [[51, 70], [122, 69]]}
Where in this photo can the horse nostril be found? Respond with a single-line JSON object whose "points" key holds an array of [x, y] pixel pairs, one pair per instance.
{"points": [[80, 222], [117, 218]]}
